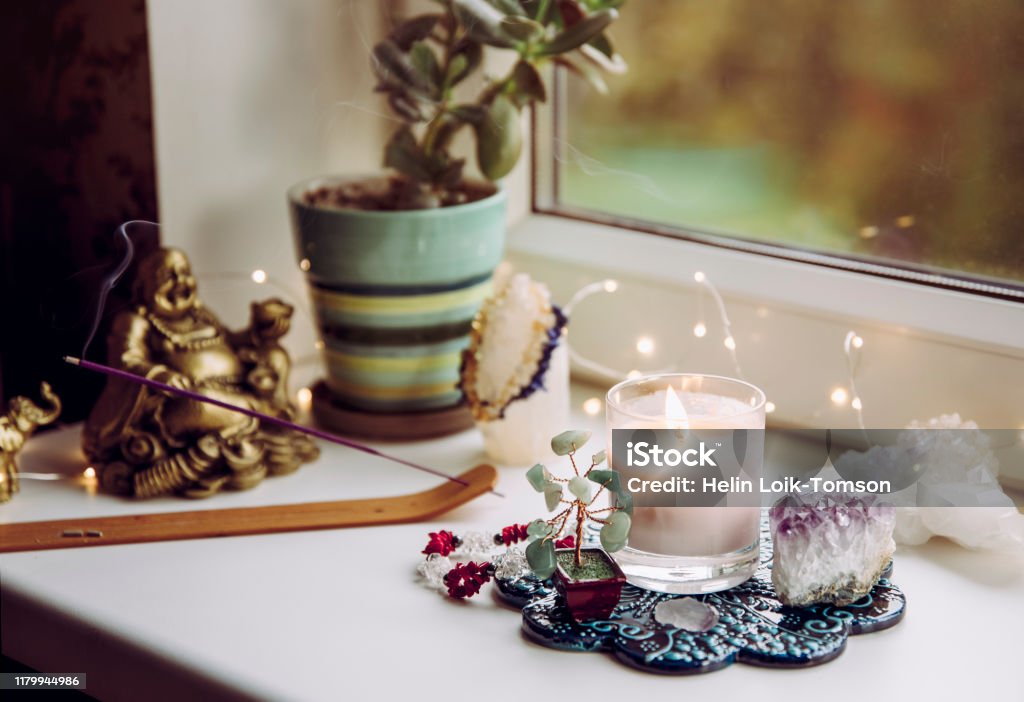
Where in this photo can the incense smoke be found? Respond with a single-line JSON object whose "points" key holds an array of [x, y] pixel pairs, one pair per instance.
{"points": [[111, 280]]}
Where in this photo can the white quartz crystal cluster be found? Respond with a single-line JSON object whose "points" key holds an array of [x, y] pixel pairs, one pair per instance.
{"points": [[829, 548], [957, 494]]}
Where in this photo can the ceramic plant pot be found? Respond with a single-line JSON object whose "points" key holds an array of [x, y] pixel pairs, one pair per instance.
{"points": [[394, 294], [593, 593]]}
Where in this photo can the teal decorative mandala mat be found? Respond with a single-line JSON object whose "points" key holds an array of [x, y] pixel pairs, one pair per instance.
{"points": [[752, 626]]}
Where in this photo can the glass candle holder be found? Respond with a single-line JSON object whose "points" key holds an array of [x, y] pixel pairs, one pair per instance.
{"points": [[690, 549]]}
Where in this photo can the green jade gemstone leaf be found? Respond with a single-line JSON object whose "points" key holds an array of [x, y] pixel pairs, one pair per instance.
{"points": [[608, 478], [615, 532], [624, 501], [618, 525], [541, 557], [538, 529], [599, 457], [580, 487], [552, 495], [538, 477], [569, 441]]}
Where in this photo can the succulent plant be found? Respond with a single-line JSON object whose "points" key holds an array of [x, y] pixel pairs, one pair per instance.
{"points": [[585, 486], [423, 61]]}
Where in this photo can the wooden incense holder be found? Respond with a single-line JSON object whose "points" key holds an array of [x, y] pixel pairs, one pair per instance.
{"points": [[242, 521]]}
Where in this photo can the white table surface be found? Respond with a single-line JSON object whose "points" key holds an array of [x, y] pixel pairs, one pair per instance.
{"points": [[339, 614]]}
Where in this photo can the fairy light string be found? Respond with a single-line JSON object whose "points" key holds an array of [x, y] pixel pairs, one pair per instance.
{"points": [[700, 329], [852, 345], [646, 345]]}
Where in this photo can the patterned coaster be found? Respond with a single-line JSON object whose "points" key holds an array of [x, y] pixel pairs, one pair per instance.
{"points": [[753, 626]]}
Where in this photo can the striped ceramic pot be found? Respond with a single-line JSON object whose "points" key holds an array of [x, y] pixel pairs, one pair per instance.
{"points": [[395, 293]]}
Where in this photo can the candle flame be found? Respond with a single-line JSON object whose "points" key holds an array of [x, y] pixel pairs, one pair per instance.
{"points": [[674, 410]]}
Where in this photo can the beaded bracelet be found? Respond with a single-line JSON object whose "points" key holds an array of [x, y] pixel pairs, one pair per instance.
{"points": [[463, 580]]}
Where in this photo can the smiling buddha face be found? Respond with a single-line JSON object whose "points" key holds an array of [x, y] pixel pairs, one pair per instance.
{"points": [[166, 284]]}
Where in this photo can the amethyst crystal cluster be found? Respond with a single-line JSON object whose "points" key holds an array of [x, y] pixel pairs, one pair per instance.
{"points": [[829, 547]]}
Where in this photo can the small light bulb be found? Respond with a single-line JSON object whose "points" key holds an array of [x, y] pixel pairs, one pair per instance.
{"points": [[905, 222], [304, 264], [699, 276], [857, 404], [699, 330], [319, 345], [730, 343], [592, 406], [633, 374], [259, 276], [645, 345], [90, 473], [857, 342], [304, 398], [611, 285], [769, 407], [840, 396], [868, 232]]}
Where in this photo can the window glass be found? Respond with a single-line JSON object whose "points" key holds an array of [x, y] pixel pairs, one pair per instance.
{"points": [[889, 130]]}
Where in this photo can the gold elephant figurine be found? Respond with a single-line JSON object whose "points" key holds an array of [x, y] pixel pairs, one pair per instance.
{"points": [[145, 443], [22, 418]]}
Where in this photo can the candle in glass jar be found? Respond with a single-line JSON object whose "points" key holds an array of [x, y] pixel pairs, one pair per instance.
{"points": [[713, 544], [694, 531]]}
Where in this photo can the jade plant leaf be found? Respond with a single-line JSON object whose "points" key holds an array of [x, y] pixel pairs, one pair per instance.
{"points": [[509, 7], [599, 457], [483, 22], [522, 28], [392, 65], [552, 495], [405, 106], [580, 33], [499, 139], [424, 62], [608, 478], [541, 557], [403, 154], [538, 477], [466, 57], [528, 85], [603, 44], [579, 65], [569, 441], [580, 487], [413, 30]]}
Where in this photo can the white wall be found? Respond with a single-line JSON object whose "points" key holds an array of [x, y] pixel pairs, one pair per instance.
{"points": [[251, 96]]}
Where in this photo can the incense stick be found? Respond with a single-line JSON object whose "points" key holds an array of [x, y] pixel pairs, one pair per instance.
{"points": [[270, 419]]}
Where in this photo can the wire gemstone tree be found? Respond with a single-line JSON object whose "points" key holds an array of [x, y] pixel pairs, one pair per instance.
{"points": [[615, 520]]}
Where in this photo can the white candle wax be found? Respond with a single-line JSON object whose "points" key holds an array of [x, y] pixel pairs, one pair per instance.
{"points": [[691, 531]]}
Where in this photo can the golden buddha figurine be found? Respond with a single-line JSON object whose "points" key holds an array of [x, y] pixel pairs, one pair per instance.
{"points": [[16, 426], [146, 443]]}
